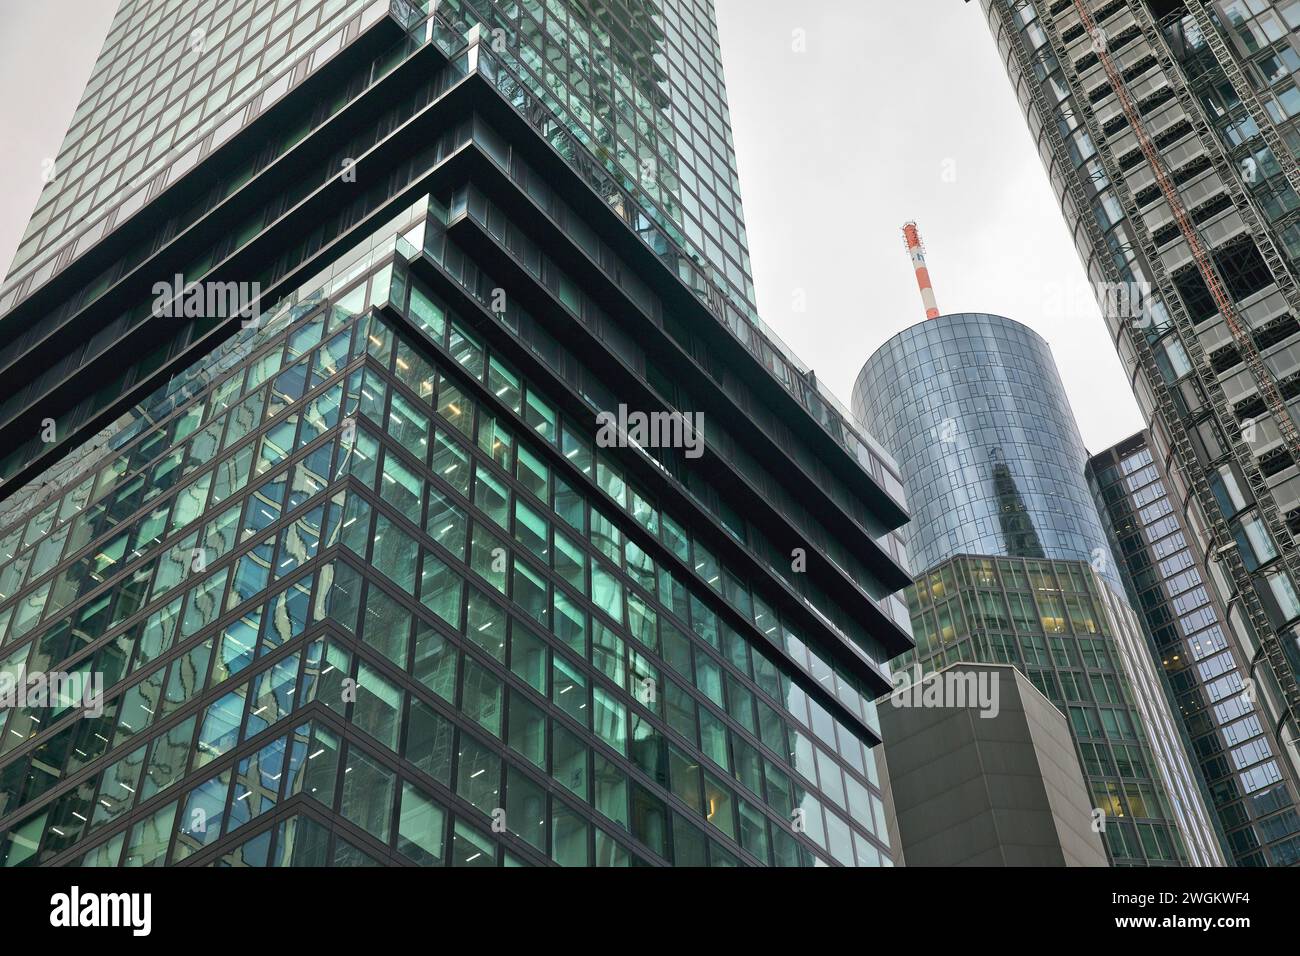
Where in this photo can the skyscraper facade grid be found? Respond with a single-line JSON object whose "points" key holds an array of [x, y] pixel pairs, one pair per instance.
{"points": [[346, 573], [976, 415], [1168, 131], [1236, 749]]}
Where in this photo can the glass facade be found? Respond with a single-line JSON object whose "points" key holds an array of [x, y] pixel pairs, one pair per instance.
{"points": [[1058, 623], [1236, 750], [1019, 569], [1214, 85], [170, 72], [304, 128], [643, 78], [641, 83], [361, 584], [974, 410]]}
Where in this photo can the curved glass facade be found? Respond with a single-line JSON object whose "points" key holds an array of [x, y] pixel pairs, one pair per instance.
{"points": [[1013, 555], [972, 407]]}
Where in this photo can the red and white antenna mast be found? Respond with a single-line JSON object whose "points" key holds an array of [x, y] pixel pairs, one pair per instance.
{"points": [[915, 249]]}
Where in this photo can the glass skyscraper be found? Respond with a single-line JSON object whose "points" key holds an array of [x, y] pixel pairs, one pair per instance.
{"points": [[355, 574], [1236, 750], [1168, 129], [973, 409], [1016, 568]]}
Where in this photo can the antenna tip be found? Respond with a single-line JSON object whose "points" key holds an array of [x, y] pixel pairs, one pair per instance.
{"points": [[912, 234]]}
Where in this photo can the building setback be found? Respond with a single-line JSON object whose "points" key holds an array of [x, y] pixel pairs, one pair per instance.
{"points": [[361, 580], [1236, 751], [1017, 568], [1168, 131]]}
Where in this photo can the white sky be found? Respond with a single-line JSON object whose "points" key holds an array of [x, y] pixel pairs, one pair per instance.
{"points": [[837, 146], [47, 51]]}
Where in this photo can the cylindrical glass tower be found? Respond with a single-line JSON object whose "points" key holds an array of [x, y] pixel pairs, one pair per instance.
{"points": [[972, 407]]}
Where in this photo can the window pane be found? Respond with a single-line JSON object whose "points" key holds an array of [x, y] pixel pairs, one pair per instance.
{"points": [[368, 789], [420, 827]]}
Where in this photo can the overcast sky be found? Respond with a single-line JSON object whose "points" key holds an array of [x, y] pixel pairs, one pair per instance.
{"points": [[901, 109], [894, 110], [47, 51]]}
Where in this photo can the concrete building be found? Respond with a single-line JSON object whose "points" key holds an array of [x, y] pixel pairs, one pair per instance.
{"points": [[967, 785]]}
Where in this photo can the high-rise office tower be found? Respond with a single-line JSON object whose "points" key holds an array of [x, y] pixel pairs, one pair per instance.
{"points": [[1236, 750], [1014, 566], [1168, 131], [400, 473]]}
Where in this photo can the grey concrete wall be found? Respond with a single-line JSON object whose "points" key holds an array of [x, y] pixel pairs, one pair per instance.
{"points": [[968, 790]]}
